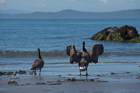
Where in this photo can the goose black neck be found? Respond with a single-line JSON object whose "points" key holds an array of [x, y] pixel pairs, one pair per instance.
{"points": [[83, 45], [39, 55], [84, 49]]}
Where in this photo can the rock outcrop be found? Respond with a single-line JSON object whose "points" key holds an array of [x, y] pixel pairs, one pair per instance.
{"points": [[124, 33]]}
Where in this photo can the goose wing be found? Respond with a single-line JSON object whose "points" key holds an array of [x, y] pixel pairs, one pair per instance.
{"points": [[71, 51], [37, 64], [96, 50]]}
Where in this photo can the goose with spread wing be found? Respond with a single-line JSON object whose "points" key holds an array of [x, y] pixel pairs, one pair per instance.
{"points": [[84, 58]]}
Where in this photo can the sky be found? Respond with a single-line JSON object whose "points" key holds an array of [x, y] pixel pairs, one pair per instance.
{"points": [[79, 5]]}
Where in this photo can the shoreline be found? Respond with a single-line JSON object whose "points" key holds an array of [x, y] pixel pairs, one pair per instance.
{"points": [[74, 87], [72, 83], [104, 77]]}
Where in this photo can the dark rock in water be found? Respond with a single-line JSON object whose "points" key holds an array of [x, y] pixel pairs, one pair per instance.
{"points": [[124, 33], [22, 72], [138, 77], [6, 73], [12, 82], [128, 72], [58, 82], [11, 73], [40, 83], [85, 80], [15, 78], [73, 79], [112, 73], [101, 81]]}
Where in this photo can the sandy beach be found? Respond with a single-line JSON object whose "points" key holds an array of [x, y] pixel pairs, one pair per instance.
{"points": [[101, 82]]}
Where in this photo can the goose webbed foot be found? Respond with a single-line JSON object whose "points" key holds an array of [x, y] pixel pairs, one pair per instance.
{"points": [[35, 73], [80, 74], [86, 74], [39, 72]]}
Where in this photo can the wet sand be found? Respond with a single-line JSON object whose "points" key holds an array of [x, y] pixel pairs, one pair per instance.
{"points": [[124, 82]]}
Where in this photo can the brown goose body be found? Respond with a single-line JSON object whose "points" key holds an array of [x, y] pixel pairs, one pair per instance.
{"points": [[38, 63], [84, 58]]}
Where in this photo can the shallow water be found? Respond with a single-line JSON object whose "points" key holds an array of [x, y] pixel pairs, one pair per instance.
{"points": [[20, 38]]}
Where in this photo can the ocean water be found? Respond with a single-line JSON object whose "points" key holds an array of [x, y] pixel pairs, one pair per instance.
{"points": [[20, 38]]}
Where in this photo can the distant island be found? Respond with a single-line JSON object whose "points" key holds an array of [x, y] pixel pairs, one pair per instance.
{"points": [[72, 14]]}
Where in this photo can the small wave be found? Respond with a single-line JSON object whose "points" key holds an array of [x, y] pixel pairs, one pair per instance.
{"points": [[51, 54], [23, 54], [116, 54]]}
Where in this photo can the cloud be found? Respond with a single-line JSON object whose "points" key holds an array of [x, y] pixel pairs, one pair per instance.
{"points": [[104, 1], [2, 1], [41, 5], [71, 0], [127, 0]]}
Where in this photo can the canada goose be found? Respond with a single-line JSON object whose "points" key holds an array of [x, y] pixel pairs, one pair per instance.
{"points": [[38, 63], [84, 58]]}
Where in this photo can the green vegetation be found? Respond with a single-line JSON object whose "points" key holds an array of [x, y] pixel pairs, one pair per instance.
{"points": [[124, 33], [115, 37], [101, 36], [135, 40]]}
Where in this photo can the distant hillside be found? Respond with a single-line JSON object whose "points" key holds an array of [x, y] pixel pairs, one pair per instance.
{"points": [[13, 11], [76, 14]]}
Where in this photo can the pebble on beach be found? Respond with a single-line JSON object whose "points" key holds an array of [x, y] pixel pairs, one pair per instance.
{"points": [[40, 83], [20, 72], [112, 73], [12, 82], [58, 82]]}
